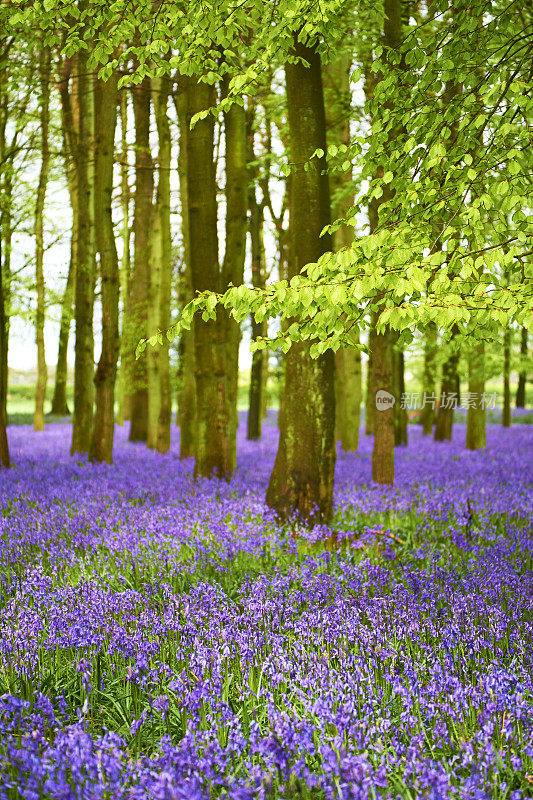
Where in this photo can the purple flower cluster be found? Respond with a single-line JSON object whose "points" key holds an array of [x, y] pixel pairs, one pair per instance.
{"points": [[163, 638]]}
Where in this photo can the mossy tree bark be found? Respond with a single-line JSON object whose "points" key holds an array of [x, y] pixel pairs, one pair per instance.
{"points": [[85, 276], [106, 96], [522, 375], [140, 282], [42, 372], [337, 95], [444, 421], [213, 451], [233, 264], [186, 414], [369, 399], [302, 479]]}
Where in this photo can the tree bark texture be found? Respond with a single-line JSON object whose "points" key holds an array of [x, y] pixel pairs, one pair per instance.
{"points": [[522, 375], [213, 450], [42, 372], [106, 96], [444, 421], [140, 283], [186, 414], [85, 277], [302, 479], [506, 415], [233, 265], [428, 414]]}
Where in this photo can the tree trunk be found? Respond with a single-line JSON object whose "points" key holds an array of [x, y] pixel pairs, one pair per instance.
{"points": [[427, 414], [475, 415], [370, 400], [69, 128], [186, 415], [42, 372], [506, 416], [400, 414], [235, 251], [259, 329], [214, 455], [302, 479], [84, 293], [124, 373], [382, 356], [162, 87], [522, 375], [337, 94], [448, 393], [4, 447], [140, 283], [105, 123]]}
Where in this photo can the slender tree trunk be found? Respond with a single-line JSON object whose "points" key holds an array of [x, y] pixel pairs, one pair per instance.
{"points": [[124, 374], [233, 264], [337, 93], [448, 394], [140, 285], [256, 220], [186, 416], [382, 356], [370, 400], [4, 447], [42, 372], [428, 415], [302, 479], [522, 375], [69, 127], [475, 415], [506, 417], [400, 414], [85, 277], [214, 453], [59, 405], [106, 120], [161, 96]]}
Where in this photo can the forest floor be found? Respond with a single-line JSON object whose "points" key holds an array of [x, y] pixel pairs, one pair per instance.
{"points": [[162, 638]]}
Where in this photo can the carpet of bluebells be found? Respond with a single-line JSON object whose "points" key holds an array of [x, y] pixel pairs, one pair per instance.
{"points": [[163, 638]]}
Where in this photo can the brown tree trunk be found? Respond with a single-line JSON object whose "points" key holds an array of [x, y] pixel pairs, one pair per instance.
{"points": [[186, 415], [506, 416], [370, 400], [448, 398], [213, 450], [4, 447], [233, 264], [302, 479], [475, 415], [124, 374], [105, 123], [522, 375], [85, 277], [428, 415], [256, 220], [382, 356], [140, 283], [400, 414], [42, 372], [337, 94], [69, 127]]}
